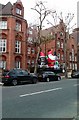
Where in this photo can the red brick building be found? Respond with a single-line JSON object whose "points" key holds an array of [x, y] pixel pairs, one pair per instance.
{"points": [[18, 43], [55, 40], [72, 53], [76, 37], [13, 36], [31, 47]]}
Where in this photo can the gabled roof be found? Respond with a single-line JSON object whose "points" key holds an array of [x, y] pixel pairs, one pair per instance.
{"points": [[1, 6], [6, 9]]}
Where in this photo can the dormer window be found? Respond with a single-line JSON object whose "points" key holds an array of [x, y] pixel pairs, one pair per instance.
{"points": [[18, 11]]}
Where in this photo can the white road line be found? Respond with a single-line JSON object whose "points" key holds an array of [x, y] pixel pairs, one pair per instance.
{"points": [[76, 85], [40, 92]]}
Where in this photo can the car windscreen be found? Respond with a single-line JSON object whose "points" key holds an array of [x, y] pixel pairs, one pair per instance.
{"points": [[13, 72], [76, 72], [4, 73]]}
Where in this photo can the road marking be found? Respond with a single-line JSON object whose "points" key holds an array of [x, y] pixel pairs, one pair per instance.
{"points": [[40, 92], [76, 85]]}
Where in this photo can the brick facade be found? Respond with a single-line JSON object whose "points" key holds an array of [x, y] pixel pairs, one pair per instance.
{"points": [[31, 47], [18, 47], [15, 35], [57, 43]]}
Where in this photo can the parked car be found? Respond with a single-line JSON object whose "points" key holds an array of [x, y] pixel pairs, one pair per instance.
{"points": [[48, 76], [16, 76], [75, 74], [4, 72]]}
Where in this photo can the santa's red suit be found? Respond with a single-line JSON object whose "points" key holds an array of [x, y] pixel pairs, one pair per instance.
{"points": [[51, 59]]}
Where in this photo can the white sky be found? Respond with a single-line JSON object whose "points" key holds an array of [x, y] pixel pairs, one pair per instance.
{"points": [[64, 6]]}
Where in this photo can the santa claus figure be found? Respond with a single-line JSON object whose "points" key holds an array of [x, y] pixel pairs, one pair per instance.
{"points": [[42, 58], [51, 59]]}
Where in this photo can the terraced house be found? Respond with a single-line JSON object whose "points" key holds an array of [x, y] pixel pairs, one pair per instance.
{"points": [[13, 36]]}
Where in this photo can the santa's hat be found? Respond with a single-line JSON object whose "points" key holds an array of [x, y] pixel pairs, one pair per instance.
{"points": [[42, 54]]}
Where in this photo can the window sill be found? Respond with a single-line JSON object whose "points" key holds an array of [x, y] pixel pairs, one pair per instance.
{"points": [[4, 53], [18, 53]]}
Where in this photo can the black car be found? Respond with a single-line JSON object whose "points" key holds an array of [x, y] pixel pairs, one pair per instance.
{"points": [[75, 74], [4, 72], [48, 76], [16, 76]]}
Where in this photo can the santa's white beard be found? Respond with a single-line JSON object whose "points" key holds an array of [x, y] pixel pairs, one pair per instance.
{"points": [[52, 57]]}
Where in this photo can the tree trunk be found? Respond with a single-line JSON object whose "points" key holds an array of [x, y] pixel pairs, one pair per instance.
{"points": [[36, 64]]}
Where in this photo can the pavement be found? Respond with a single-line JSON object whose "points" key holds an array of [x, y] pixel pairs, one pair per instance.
{"points": [[1, 83]]}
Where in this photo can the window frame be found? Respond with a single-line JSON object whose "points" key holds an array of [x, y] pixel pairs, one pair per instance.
{"points": [[17, 46], [18, 26], [3, 24], [18, 64], [18, 11], [29, 50], [62, 45], [3, 64], [58, 56], [62, 57], [3, 42], [58, 44]]}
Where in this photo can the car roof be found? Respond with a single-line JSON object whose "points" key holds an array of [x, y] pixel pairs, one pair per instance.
{"points": [[48, 72], [15, 70]]}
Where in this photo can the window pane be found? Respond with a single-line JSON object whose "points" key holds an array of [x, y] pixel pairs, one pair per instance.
{"points": [[58, 44], [18, 11], [18, 26], [17, 64], [3, 64], [58, 55], [29, 50], [3, 24], [2, 45], [61, 45], [18, 47]]}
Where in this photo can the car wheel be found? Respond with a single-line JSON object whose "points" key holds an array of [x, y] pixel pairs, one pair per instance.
{"points": [[59, 78], [14, 82], [34, 81], [47, 79]]}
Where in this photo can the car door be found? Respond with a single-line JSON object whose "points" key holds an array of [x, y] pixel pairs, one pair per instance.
{"points": [[52, 76], [26, 75], [20, 76]]}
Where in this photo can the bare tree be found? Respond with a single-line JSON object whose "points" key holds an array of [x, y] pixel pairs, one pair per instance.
{"points": [[67, 27], [43, 13]]}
